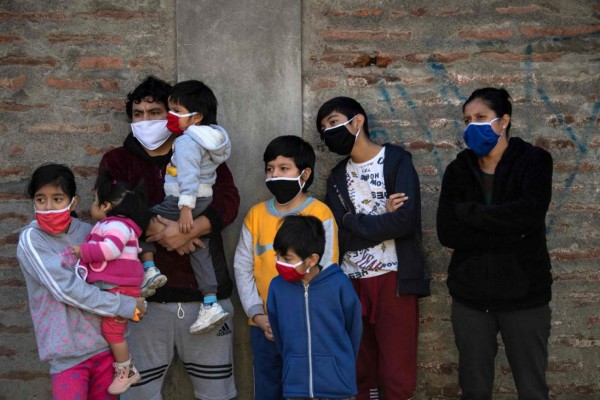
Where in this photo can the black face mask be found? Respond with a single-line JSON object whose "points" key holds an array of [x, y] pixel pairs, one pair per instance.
{"points": [[339, 140], [285, 189]]}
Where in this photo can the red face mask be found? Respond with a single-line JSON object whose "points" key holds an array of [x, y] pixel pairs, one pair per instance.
{"points": [[54, 221], [288, 271], [173, 121]]}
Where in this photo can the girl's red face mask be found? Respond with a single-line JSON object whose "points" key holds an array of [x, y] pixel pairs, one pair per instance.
{"points": [[54, 221]]}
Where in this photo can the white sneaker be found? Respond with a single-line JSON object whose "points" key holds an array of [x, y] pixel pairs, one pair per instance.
{"points": [[153, 279], [209, 317]]}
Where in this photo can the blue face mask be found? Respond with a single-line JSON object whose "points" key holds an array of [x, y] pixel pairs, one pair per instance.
{"points": [[480, 137]]}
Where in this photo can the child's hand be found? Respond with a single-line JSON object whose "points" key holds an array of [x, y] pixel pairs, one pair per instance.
{"points": [[395, 201], [186, 221], [75, 250]]}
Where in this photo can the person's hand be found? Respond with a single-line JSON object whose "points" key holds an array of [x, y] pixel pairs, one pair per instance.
{"points": [[395, 201], [169, 237], [186, 221], [140, 308], [75, 250], [263, 323], [190, 247]]}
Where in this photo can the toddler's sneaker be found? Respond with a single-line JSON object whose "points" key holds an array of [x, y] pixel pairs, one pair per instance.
{"points": [[125, 376], [210, 316], [153, 279]]}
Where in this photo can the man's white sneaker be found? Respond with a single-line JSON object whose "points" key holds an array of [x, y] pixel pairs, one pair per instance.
{"points": [[210, 316], [153, 279]]}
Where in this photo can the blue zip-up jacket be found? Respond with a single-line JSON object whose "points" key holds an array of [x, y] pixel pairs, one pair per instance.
{"points": [[317, 330], [360, 231]]}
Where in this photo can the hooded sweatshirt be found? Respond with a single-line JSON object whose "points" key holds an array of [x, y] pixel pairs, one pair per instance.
{"points": [[65, 309], [196, 155], [317, 329]]}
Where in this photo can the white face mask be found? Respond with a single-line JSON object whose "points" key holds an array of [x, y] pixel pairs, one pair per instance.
{"points": [[151, 134]]}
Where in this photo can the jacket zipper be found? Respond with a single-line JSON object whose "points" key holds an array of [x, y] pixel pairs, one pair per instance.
{"points": [[310, 372]]}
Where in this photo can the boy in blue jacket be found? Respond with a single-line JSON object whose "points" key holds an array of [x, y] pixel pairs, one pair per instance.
{"points": [[315, 315]]}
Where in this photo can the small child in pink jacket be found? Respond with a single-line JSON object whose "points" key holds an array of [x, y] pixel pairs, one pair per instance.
{"points": [[109, 260]]}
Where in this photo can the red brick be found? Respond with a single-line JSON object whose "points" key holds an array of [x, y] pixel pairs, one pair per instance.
{"points": [[145, 62], [16, 150], [564, 366], [447, 12], [439, 368], [515, 57], [418, 12], [572, 388], [10, 239], [354, 35], [29, 61], [118, 105], [12, 215], [383, 60], [486, 34], [33, 16], [570, 31], [10, 38], [121, 15], [401, 35], [8, 352], [398, 13], [16, 82], [420, 145], [67, 128], [427, 170], [437, 57], [85, 172], [94, 151], [22, 375], [567, 254], [15, 282], [20, 107], [13, 172], [532, 8], [582, 277], [323, 83], [365, 12], [593, 320], [56, 38], [100, 63], [59, 83], [109, 85], [570, 167]]}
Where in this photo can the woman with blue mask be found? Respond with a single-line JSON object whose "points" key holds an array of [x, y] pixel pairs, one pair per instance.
{"points": [[492, 211]]}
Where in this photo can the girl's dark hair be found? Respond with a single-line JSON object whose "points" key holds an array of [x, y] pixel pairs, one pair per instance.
{"points": [[297, 149], [343, 105], [131, 203], [496, 99], [304, 235], [52, 174], [195, 96]]}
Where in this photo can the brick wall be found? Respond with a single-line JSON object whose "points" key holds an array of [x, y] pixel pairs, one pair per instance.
{"points": [[412, 64], [66, 66]]}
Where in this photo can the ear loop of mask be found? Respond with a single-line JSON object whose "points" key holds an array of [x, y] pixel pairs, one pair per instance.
{"points": [[55, 211]]}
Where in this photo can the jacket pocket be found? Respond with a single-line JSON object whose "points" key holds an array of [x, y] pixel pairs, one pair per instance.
{"points": [[329, 380], [295, 374]]}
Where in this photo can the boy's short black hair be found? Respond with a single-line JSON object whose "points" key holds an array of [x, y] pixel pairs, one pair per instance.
{"points": [[296, 148], [151, 88], [344, 105], [304, 235], [196, 97]]}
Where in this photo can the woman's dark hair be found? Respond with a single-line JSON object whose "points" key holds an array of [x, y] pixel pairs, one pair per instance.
{"points": [[151, 88], [52, 174], [497, 100], [195, 96], [131, 203], [304, 235], [297, 149], [343, 105]]}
